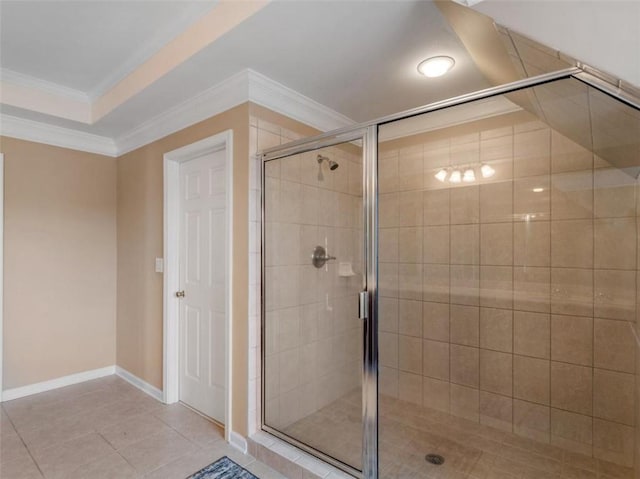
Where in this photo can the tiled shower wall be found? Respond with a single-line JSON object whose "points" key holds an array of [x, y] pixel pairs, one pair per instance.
{"points": [[312, 336], [508, 306]]}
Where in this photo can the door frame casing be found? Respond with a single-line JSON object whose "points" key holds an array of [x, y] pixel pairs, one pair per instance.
{"points": [[171, 280]]}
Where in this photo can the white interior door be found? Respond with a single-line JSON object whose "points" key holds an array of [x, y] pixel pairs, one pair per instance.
{"points": [[203, 233]]}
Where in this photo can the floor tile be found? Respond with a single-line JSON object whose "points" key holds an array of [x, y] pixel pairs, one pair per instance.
{"points": [[58, 461], [156, 451], [131, 430]]}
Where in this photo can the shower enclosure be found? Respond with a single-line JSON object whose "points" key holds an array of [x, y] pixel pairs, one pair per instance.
{"points": [[453, 291]]}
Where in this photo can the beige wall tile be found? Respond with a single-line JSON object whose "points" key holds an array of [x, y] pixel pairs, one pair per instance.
{"points": [[465, 402], [436, 283], [572, 431], [615, 243], [410, 245], [409, 281], [436, 155], [388, 174], [531, 379], [388, 381], [388, 210], [531, 151], [436, 359], [532, 243], [567, 155], [465, 152], [388, 245], [388, 343], [530, 205], [410, 354], [613, 396], [496, 244], [496, 202], [531, 420], [532, 289], [572, 388], [436, 206], [572, 291], [572, 244], [496, 286], [465, 325], [496, 329], [410, 387], [465, 284], [436, 244], [532, 334], [410, 168], [572, 195], [572, 339], [615, 295], [465, 205], [614, 345], [613, 442], [410, 208], [496, 411], [496, 372], [388, 318], [410, 318], [465, 365], [435, 324], [465, 244], [614, 193], [436, 394]]}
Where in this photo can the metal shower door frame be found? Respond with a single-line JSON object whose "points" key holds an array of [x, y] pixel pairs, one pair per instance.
{"points": [[368, 133]]}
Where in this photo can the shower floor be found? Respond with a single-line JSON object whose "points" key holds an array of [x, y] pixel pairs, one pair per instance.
{"points": [[408, 432]]}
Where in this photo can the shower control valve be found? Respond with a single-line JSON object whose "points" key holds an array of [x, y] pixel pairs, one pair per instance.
{"points": [[320, 257]]}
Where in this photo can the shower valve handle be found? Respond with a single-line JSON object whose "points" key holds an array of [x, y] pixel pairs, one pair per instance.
{"points": [[320, 257]]}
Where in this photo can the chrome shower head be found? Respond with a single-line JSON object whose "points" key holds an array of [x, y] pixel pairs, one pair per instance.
{"points": [[332, 164]]}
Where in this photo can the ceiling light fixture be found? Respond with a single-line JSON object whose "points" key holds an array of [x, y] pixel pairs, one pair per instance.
{"points": [[538, 190], [456, 176], [436, 66], [441, 175], [487, 171]]}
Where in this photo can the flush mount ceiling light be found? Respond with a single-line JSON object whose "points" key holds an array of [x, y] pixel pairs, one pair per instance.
{"points": [[436, 66]]}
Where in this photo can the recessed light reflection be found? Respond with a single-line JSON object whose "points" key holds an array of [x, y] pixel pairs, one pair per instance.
{"points": [[469, 176], [487, 171], [441, 175], [538, 190]]}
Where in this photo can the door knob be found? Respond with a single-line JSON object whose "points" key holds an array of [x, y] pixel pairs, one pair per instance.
{"points": [[180, 294]]}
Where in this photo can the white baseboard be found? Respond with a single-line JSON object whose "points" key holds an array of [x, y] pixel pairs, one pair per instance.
{"points": [[239, 442], [144, 386], [44, 386]]}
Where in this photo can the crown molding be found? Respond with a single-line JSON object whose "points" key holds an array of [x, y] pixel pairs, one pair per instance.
{"points": [[28, 81], [39, 132], [221, 97], [273, 95], [244, 86]]}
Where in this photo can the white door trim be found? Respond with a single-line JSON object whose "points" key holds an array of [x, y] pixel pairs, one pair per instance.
{"points": [[1, 268], [172, 160]]}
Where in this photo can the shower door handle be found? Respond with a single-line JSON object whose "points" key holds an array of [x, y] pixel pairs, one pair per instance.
{"points": [[363, 305]]}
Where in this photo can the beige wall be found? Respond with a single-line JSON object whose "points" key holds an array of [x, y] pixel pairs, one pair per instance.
{"points": [[59, 253], [140, 233]]}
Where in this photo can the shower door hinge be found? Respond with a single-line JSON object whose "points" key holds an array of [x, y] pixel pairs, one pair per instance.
{"points": [[363, 305]]}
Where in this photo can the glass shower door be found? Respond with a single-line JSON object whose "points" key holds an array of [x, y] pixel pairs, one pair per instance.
{"points": [[314, 270]]}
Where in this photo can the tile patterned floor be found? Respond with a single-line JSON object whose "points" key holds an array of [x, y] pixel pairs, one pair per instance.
{"points": [[472, 451], [108, 429]]}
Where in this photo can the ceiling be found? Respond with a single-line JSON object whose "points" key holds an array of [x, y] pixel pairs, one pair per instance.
{"points": [[111, 68]]}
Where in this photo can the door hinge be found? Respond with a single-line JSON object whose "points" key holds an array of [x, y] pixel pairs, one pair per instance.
{"points": [[363, 305]]}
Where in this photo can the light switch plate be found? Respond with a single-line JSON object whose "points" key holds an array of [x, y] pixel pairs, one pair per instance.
{"points": [[159, 265]]}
